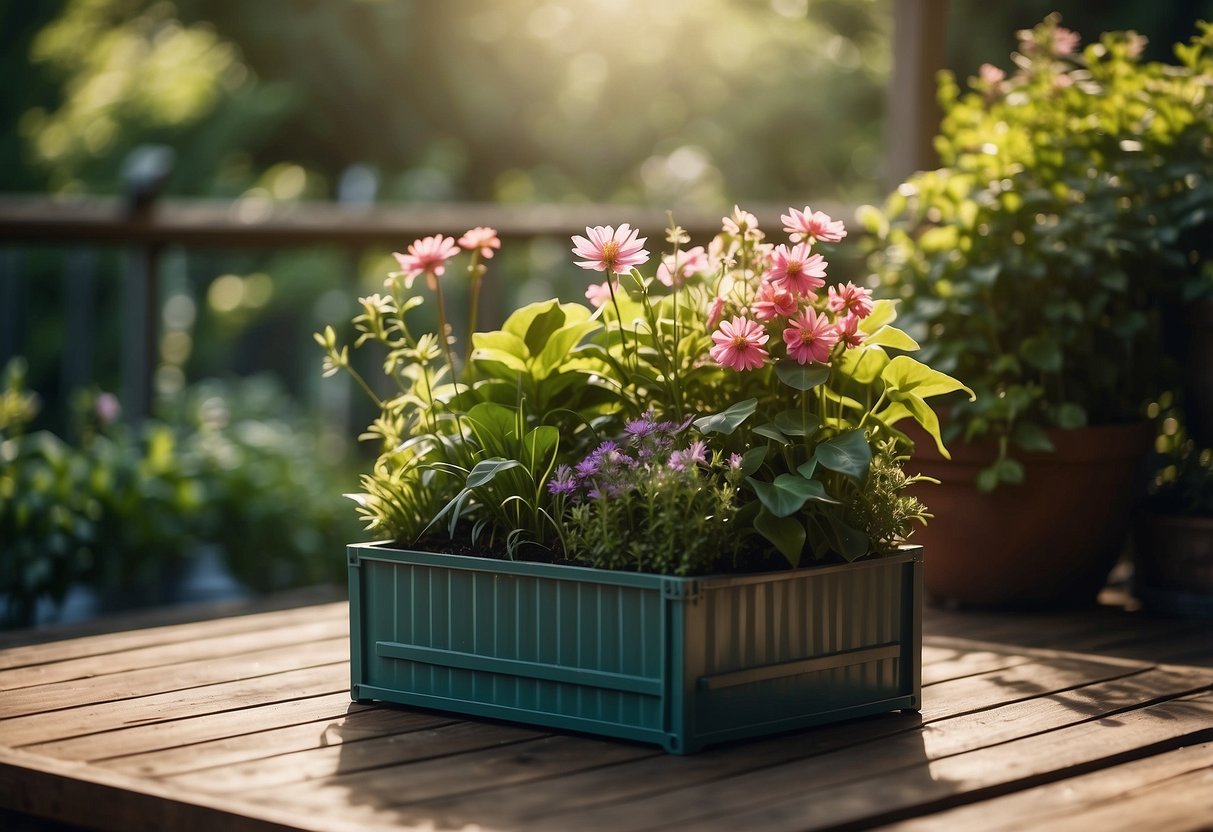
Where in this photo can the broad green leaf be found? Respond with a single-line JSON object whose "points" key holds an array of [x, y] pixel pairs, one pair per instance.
{"points": [[1042, 352], [987, 479], [863, 363], [1071, 416], [769, 431], [727, 420], [927, 418], [1010, 471], [523, 323], [560, 346], [786, 533], [807, 469], [538, 446], [483, 472], [802, 376], [752, 459], [788, 493], [1031, 437], [847, 453], [891, 336], [796, 423], [501, 341], [884, 312], [494, 426], [505, 359], [846, 540], [906, 375]]}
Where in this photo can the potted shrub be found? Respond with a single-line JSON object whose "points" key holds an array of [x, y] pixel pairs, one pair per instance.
{"points": [[676, 515], [1071, 210], [1173, 556]]}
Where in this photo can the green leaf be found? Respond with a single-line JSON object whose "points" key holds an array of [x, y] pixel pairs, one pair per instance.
{"points": [[788, 493], [1042, 352], [494, 426], [534, 322], [987, 479], [884, 312], [512, 364], [560, 344], [1071, 416], [769, 431], [1009, 470], [802, 376], [483, 472], [752, 459], [728, 420], [1031, 437], [906, 375], [808, 469], [785, 533], [538, 446], [796, 423], [986, 275], [845, 539], [891, 336], [847, 453], [502, 342]]}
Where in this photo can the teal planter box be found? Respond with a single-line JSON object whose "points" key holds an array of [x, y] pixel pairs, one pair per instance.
{"points": [[681, 662]]}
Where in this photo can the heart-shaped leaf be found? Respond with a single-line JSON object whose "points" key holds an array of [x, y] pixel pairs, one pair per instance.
{"points": [[796, 423], [847, 453], [727, 420], [802, 376], [788, 493], [787, 535]]}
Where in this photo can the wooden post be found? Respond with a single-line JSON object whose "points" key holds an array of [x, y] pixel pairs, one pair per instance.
{"points": [[920, 40]]}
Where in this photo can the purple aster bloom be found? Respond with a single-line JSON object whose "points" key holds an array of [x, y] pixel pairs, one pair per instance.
{"points": [[735, 461], [563, 482], [588, 467], [640, 428], [605, 448]]}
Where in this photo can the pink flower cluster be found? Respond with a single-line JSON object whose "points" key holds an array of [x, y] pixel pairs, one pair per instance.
{"points": [[786, 302], [428, 255]]}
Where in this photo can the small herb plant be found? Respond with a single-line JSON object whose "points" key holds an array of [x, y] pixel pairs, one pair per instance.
{"points": [[728, 410], [1071, 210]]}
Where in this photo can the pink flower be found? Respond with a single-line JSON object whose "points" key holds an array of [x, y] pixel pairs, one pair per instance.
{"points": [[426, 256], [797, 271], [107, 408], [810, 226], [848, 331], [610, 250], [1065, 41], [810, 338], [741, 224], [850, 299], [715, 312], [739, 344], [690, 262], [991, 74], [483, 238], [600, 293], [772, 301]]}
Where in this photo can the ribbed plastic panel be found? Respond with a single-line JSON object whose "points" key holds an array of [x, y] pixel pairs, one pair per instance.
{"points": [[678, 661]]}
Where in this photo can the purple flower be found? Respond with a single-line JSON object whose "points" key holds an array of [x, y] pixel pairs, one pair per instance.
{"points": [[695, 454], [640, 428], [588, 467], [735, 462], [563, 482]]}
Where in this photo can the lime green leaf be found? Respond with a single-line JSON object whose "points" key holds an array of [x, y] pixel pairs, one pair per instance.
{"points": [[847, 453], [905, 375], [560, 345], [802, 376], [728, 420], [884, 312], [891, 336], [534, 322], [864, 363], [785, 533], [484, 471]]}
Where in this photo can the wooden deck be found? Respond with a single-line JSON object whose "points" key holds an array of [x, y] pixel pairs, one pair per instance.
{"points": [[1099, 720]]}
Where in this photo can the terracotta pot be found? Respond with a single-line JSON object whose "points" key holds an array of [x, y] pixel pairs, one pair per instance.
{"points": [[1048, 542], [1173, 564]]}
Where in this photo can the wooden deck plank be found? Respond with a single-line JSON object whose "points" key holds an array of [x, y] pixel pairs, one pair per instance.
{"points": [[193, 727], [109, 643], [173, 653], [839, 746], [776, 804], [1051, 805], [227, 696], [133, 684]]}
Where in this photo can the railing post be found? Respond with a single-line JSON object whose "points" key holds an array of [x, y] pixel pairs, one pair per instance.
{"points": [[12, 304], [79, 311], [920, 41], [144, 174]]}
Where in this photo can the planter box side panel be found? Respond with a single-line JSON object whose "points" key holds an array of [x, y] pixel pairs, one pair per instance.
{"points": [[793, 651], [579, 655]]}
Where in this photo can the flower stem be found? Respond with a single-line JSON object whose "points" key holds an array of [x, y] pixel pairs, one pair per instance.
{"points": [[476, 272]]}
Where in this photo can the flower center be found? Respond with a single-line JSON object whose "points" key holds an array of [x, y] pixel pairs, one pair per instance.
{"points": [[610, 253], [740, 342]]}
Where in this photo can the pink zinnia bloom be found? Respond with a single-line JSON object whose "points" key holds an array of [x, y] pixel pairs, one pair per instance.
{"points": [[715, 312], [796, 270], [810, 338], [848, 331], [850, 299], [772, 301], [481, 238], [739, 344], [690, 262], [610, 250], [426, 256], [741, 224], [810, 226], [600, 293]]}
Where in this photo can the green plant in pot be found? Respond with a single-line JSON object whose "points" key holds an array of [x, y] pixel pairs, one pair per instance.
{"points": [[1173, 553], [594, 487], [1070, 209]]}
